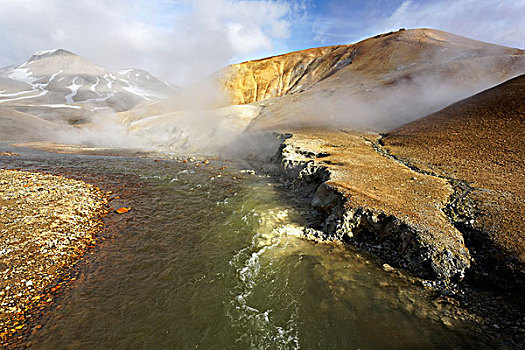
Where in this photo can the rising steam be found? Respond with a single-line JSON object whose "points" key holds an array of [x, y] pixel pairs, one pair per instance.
{"points": [[192, 122]]}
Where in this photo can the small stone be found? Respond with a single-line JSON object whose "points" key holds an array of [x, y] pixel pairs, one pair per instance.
{"points": [[387, 268]]}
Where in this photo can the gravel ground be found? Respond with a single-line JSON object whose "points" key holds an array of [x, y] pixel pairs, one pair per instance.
{"points": [[46, 224], [479, 140]]}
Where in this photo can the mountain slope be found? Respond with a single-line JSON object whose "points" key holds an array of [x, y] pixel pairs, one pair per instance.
{"points": [[480, 140], [385, 81], [17, 126], [364, 85], [59, 81]]}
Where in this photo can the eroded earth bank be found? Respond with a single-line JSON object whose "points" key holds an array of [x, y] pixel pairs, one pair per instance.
{"points": [[441, 198]]}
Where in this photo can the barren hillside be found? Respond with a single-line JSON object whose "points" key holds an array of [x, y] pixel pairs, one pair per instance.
{"points": [[378, 83], [480, 140]]}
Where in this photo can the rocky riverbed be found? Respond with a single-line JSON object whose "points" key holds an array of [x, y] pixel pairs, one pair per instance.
{"points": [[46, 224]]}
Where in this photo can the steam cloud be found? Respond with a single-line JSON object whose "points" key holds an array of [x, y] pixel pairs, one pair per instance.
{"points": [[190, 122]]}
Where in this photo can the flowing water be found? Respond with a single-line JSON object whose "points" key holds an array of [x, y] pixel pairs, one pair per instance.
{"points": [[213, 262]]}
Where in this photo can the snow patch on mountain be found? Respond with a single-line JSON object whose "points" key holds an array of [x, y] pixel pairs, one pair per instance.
{"points": [[23, 74], [142, 92], [45, 52], [42, 93], [53, 77], [67, 78], [110, 82], [58, 105], [13, 94], [74, 90], [94, 88], [101, 99]]}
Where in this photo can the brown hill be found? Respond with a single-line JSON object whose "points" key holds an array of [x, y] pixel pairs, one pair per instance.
{"points": [[18, 126], [378, 83], [386, 81], [480, 140], [383, 58]]}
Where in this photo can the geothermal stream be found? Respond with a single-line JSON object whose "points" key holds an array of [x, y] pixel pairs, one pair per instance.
{"points": [[219, 262]]}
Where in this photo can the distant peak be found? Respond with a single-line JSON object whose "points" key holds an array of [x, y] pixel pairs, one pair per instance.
{"points": [[133, 71], [45, 52], [54, 52], [48, 53]]}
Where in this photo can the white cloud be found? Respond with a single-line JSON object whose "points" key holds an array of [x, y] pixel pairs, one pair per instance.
{"points": [[177, 40]]}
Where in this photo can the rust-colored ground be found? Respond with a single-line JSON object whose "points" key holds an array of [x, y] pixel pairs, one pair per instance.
{"points": [[46, 224]]}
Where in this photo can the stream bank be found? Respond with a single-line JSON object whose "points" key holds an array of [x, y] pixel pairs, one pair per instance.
{"points": [[47, 224], [411, 219]]}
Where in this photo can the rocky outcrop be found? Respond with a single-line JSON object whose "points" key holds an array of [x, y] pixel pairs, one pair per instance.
{"points": [[357, 207], [276, 76]]}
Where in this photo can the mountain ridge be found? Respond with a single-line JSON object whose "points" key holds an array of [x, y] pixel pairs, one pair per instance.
{"points": [[317, 87], [59, 84]]}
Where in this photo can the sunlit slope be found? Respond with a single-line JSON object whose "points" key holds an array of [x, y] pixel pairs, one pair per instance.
{"points": [[381, 59], [480, 140], [276, 76], [394, 78], [378, 83]]}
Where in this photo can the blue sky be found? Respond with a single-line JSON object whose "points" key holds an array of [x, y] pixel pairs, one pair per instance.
{"points": [[184, 40], [339, 22]]}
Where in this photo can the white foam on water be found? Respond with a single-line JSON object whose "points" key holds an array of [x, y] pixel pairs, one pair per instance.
{"points": [[259, 328]]}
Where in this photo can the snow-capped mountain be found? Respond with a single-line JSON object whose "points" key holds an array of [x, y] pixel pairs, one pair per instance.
{"points": [[57, 80]]}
